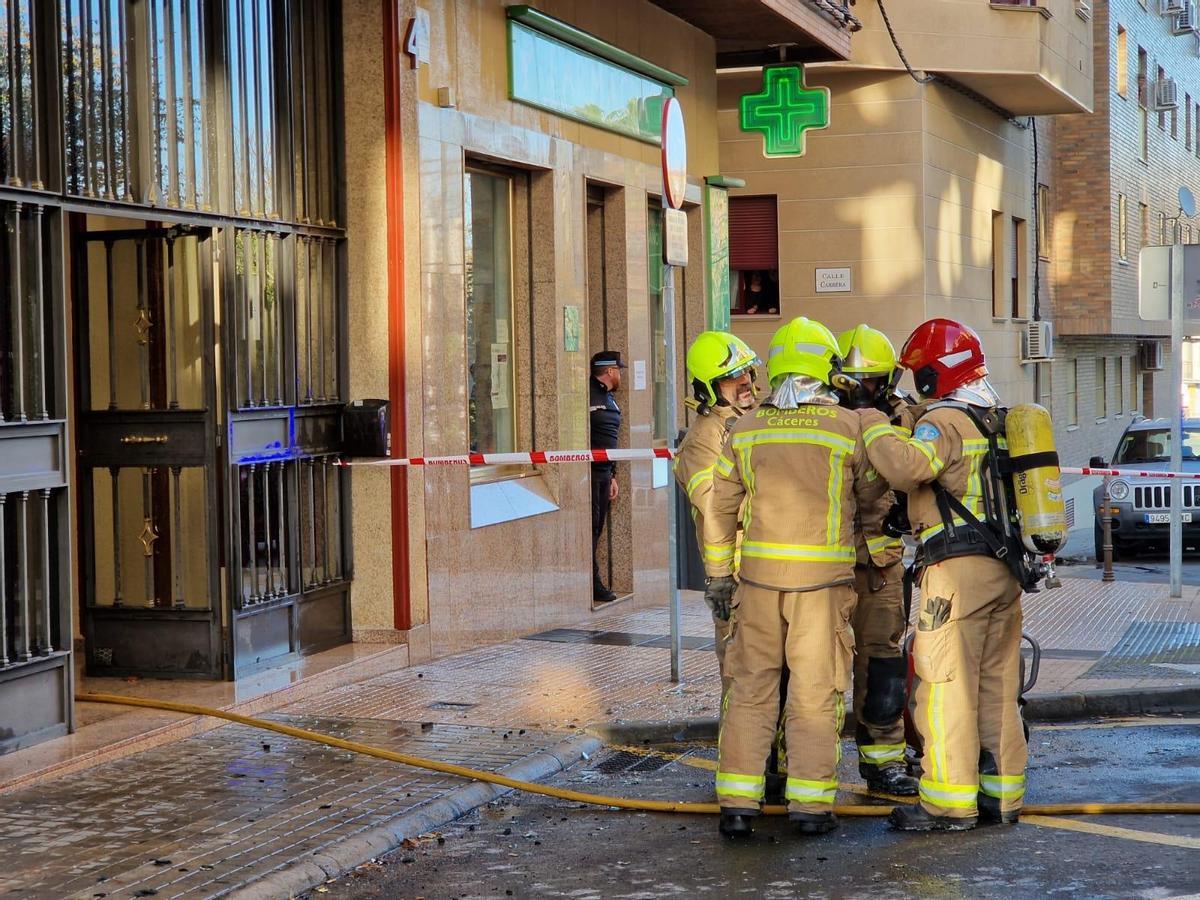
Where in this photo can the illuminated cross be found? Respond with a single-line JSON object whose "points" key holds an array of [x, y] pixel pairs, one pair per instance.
{"points": [[784, 110]]}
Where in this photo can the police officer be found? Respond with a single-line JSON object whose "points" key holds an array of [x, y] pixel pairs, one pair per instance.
{"points": [[605, 420], [797, 462], [879, 672], [967, 645], [722, 369]]}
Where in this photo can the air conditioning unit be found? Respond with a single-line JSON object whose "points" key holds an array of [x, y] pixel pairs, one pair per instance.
{"points": [[1170, 7], [1083, 9], [1038, 342], [1166, 95], [1150, 356], [1187, 21]]}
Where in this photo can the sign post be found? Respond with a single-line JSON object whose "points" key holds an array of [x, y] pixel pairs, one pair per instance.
{"points": [[674, 169]]}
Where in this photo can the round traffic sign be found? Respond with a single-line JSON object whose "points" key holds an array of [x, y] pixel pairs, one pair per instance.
{"points": [[674, 154]]}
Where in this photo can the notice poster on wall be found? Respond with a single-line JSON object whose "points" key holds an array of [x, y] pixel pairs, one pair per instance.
{"points": [[500, 376], [639, 374]]}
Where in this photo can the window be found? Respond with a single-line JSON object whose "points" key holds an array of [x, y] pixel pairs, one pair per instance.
{"points": [[489, 289], [1122, 228], [1072, 392], [1144, 219], [1162, 114], [1120, 395], [1131, 368], [1045, 386], [1162, 230], [1196, 125], [1122, 63], [1143, 89], [753, 256], [998, 287], [1043, 221], [1101, 387], [1019, 260], [1187, 121]]}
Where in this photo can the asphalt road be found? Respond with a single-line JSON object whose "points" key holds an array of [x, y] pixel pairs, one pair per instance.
{"points": [[527, 846]]}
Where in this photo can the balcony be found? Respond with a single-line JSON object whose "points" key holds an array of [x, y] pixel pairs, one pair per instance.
{"points": [[1029, 57], [755, 32]]}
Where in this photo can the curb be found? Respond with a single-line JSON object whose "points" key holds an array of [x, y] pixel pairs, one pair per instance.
{"points": [[329, 862], [1059, 707], [1038, 708]]}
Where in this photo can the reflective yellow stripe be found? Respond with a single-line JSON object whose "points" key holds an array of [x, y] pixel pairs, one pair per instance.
{"points": [[723, 465], [811, 791], [881, 753], [833, 518], [881, 543], [840, 722], [1003, 787], [877, 431], [937, 746], [717, 553], [730, 784], [795, 552], [699, 478], [951, 796], [799, 436]]}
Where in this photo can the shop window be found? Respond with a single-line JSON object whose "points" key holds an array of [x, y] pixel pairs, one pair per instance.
{"points": [[753, 256], [489, 311], [658, 321]]}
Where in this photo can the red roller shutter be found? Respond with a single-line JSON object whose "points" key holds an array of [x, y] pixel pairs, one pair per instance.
{"points": [[753, 235]]}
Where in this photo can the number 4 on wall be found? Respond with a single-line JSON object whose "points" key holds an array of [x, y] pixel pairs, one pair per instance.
{"points": [[416, 39]]}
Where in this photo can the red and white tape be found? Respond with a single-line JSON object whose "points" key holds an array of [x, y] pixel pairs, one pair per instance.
{"points": [[544, 457], [535, 457], [1129, 473]]}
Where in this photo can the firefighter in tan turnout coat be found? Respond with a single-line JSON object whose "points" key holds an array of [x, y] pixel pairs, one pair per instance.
{"points": [[799, 466]]}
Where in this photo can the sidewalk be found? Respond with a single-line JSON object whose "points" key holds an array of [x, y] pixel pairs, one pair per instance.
{"points": [[213, 812]]}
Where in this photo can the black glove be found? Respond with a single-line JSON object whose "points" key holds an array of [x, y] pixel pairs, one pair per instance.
{"points": [[896, 523], [718, 592]]}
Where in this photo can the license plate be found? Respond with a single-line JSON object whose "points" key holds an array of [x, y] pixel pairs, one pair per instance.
{"points": [[1165, 518]]}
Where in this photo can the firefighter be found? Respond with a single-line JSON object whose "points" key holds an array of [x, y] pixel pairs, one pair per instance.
{"points": [[723, 371], [878, 620], [797, 463], [967, 646]]}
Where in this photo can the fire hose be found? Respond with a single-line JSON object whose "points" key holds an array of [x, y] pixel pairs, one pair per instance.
{"points": [[669, 806]]}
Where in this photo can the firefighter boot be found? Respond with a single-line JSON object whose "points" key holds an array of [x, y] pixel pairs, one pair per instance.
{"points": [[814, 823], [915, 818], [736, 824], [892, 780]]}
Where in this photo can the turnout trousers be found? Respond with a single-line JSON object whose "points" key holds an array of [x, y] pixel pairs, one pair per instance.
{"points": [[811, 632], [966, 657], [879, 672]]}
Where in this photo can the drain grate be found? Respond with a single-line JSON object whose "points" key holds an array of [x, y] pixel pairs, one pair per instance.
{"points": [[618, 762], [1151, 650]]}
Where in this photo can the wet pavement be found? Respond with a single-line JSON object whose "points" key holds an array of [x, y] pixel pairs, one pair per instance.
{"points": [[526, 846]]}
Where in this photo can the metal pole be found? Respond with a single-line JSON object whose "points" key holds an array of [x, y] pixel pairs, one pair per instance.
{"points": [[1177, 313], [668, 295], [1106, 523]]}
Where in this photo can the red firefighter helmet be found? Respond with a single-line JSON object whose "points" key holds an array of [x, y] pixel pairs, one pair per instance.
{"points": [[943, 355]]}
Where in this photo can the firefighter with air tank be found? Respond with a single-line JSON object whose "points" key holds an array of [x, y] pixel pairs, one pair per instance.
{"points": [[985, 502]]}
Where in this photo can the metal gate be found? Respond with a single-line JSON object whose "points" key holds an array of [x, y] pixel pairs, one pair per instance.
{"points": [[146, 439]]}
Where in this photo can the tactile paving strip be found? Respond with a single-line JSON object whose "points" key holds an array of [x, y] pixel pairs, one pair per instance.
{"points": [[1152, 650]]}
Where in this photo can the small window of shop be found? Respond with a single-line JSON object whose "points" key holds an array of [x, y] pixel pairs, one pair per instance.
{"points": [[753, 256], [488, 200]]}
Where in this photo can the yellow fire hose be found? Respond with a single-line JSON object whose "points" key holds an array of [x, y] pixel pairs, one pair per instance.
{"points": [[1044, 809]]}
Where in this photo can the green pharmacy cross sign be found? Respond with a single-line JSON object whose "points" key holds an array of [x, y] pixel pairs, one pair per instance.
{"points": [[784, 110]]}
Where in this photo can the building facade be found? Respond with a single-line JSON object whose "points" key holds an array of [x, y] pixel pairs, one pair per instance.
{"points": [[1116, 176], [918, 200], [226, 219]]}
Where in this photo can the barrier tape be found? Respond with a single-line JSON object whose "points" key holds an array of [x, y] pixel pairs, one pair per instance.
{"points": [[543, 457], [535, 457]]}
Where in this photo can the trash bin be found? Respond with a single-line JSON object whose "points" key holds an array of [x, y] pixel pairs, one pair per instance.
{"points": [[690, 567]]}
